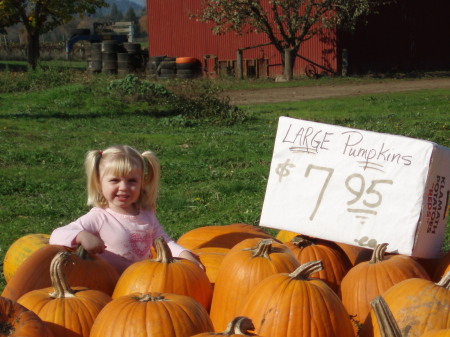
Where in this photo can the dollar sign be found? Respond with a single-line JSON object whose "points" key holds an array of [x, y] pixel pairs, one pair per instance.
{"points": [[283, 169]]}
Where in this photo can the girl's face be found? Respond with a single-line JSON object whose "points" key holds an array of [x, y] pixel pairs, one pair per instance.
{"points": [[121, 192]]}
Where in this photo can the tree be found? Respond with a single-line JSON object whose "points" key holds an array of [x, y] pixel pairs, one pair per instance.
{"points": [[286, 23], [115, 14], [42, 16], [130, 15]]}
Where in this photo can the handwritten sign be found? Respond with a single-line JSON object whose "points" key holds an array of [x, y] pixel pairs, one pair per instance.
{"points": [[358, 187]]}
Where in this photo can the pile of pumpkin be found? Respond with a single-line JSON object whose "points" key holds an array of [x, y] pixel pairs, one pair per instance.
{"points": [[253, 285]]}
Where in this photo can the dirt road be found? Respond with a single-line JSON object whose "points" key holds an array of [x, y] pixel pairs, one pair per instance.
{"points": [[274, 95]]}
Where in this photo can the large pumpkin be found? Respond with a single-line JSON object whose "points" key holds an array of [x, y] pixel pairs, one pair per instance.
{"points": [[296, 305], [335, 262], [369, 279], [220, 236], [240, 326], [18, 321], [85, 270], [418, 305], [355, 254], [150, 315], [165, 274], [67, 311], [20, 250], [211, 258], [245, 265]]}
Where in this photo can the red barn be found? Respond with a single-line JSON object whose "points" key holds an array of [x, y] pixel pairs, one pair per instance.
{"points": [[171, 32], [404, 36]]}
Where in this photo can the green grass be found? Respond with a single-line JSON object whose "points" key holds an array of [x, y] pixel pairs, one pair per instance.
{"points": [[211, 174]]}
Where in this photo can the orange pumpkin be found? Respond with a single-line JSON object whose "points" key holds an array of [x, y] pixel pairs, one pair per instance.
{"points": [[220, 236], [151, 314], [418, 306], [355, 254], [296, 305], [86, 270], [20, 250], [243, 268], [442, 267], [211, 258], [367, 280], [17, 321], [335, 263], [238, 327], [68, 312], [285, 236], [389, 327], [165, 274]]}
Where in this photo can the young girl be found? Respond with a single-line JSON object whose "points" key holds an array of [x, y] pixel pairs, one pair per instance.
{"points": [[122, 187]]}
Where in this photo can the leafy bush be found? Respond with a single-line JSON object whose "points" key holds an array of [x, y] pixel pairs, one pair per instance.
{"points": [[188, 101]]}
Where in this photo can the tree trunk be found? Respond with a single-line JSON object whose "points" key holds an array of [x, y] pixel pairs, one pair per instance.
{"points": [[33, 49], [289, 62]]}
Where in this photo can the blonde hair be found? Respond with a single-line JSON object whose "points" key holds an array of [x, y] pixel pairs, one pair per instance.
{"points": [[121, 160]]}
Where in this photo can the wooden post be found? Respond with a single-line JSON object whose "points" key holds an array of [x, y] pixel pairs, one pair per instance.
{"points": [[239, 64]]}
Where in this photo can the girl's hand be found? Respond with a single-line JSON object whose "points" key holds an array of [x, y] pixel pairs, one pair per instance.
{"points": [[92, 243], [185, 254]]}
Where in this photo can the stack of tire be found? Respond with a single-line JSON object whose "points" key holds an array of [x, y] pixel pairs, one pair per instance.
{"points": [[131, 59], [167, 68], [153, 63], [109, 56], [95, 61], [187, 67]]}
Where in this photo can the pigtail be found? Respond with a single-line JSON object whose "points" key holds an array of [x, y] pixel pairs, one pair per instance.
{"points": [[151, 180], [91, 165]]}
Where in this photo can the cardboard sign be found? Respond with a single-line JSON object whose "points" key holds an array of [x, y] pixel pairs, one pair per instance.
{"points": [[358, 187]]}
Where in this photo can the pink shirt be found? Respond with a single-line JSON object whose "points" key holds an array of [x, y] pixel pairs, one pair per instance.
{"points": [[128, 238]]}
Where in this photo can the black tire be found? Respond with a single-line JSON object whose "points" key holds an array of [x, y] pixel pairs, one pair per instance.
{"points": [[132, 47], [189, 65], [186, 71], [168, 65], [109, 57], [158, 59], [124, 57], [167, 71], [80, 31], [169, 59]]}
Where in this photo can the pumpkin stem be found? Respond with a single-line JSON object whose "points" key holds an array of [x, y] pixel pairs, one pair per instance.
{"points": [[163, 252], [61, 288], [302, 242], [149, 298], [386, 321], [262, 249], [306, 270], [239, 326], [445, 281], [378, 253], [82, 253]]}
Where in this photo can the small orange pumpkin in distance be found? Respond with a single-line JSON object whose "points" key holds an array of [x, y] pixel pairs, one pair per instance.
{"points": [[240, 326], [285, 236], [165, 274], [220, 236], [67, 311], [18, 321], [150, 315], [20, 250]]}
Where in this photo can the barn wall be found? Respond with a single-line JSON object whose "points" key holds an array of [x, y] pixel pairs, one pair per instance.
{"points": [[171, 32]]}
